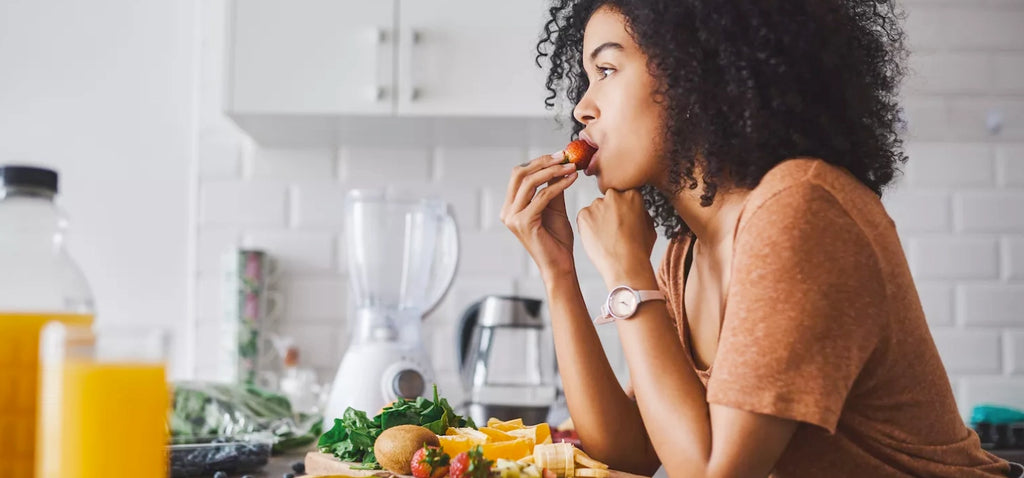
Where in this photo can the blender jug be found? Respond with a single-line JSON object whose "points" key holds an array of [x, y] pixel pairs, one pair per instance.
{"points": [[402, 256]]}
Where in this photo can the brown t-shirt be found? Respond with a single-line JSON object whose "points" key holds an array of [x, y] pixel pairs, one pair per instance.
{"points": [[823, 325]]}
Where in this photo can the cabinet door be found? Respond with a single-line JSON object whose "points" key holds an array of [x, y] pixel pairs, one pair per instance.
{"points": [[470, 57], [311, 56]]}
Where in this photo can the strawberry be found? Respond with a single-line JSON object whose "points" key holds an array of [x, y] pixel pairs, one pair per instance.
{"points": [[429, 462], [546, 473], [579, 153], [471, 464]]}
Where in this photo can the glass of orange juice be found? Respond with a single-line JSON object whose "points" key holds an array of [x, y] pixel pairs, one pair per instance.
{"points": [[104, 402]]}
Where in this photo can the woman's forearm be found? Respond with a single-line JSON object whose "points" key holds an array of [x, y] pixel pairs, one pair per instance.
{"points": [[607, 420]]}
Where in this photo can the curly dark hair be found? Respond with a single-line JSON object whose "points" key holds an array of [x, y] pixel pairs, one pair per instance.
{"points": [[747, 84]]}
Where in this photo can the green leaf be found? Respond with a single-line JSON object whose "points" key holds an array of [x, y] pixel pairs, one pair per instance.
{"points": [[336, 434]]}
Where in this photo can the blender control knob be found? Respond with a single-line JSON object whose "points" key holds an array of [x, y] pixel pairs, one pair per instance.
{"points": [[409, 384]]}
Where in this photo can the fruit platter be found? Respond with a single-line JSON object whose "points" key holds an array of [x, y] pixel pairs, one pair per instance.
{"points": [[425, 438]]}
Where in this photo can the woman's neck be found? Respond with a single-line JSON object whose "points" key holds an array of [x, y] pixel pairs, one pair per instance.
{"points": [[712, 225]]}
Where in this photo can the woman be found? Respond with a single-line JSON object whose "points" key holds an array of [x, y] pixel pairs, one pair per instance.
{"points": [[759, 135]]}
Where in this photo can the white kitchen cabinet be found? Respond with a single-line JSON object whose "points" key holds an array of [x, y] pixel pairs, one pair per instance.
{"points": [[325, 59], [311, 57], [470, 58]]}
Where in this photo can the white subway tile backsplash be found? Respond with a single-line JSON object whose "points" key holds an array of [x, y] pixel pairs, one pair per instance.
{"points": [[969, 118], [315, 298], [238, 203], [1011, 165], [296, 252], [969, 351], [915, 212], [949, 72], [481, 166], [477, 132], [927, 117], [998, 211], [492, 199], [498, 253], [1013, 258], [937, 299], [1014, 342], [954, 258], [1008, 72], [942, 165], [292, 164], [319, 343], [319, 205], [991, 304], [370, 167], [965, 27]]}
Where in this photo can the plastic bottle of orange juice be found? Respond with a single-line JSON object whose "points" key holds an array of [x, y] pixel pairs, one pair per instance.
{"points": [[38, 283]]}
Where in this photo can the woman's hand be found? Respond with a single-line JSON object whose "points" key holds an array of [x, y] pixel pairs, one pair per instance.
{"points": [[619, 236], [539, 219]]}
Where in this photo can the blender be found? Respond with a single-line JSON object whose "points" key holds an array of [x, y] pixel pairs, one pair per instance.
{"points": [[402, 255]]}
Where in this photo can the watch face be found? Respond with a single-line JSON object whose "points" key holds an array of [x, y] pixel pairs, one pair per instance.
{"points": [[623, 303]]}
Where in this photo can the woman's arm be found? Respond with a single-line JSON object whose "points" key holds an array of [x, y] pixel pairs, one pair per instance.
{"points": [[607, 420], [691, 438]]}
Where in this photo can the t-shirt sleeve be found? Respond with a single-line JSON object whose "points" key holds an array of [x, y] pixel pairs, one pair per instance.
{"points": [[804, 310]]}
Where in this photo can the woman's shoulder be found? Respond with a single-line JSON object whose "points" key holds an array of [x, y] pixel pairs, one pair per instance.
{"points": [[809, 192]]}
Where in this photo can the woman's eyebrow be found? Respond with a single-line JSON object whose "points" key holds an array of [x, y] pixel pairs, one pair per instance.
{"points": [[602, 47]]}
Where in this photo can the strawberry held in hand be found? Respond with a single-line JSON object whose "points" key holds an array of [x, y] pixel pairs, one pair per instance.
{"points": [[429, 462], [471, 464], [579, 153]]}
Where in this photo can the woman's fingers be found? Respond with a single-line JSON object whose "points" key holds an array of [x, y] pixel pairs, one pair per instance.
{"points": [[521, 172], [541, 200], [529, 186]]}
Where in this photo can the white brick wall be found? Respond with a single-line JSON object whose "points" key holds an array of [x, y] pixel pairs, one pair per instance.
{"points": [[959, 207]]}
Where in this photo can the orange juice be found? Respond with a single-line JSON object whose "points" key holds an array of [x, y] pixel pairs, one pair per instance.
{"points": [[19, 369], [110, 417]]}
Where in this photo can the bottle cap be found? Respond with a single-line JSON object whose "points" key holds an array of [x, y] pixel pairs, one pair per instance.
{"points": [[15, 176]]}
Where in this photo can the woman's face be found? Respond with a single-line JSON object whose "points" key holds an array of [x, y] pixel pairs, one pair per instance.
{"points": [[619, 109]]}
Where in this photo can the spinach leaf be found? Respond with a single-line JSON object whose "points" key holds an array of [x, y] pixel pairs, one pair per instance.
{"points": [[353, 435]]}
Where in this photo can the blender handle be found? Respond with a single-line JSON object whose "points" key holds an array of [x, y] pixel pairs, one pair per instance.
{"points": [[449, 252]]}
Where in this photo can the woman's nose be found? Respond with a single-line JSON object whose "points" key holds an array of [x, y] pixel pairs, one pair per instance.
{"points": [[585, 111]]}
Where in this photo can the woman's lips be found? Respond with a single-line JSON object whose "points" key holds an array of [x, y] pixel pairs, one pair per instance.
{"points": [[592, 166]]}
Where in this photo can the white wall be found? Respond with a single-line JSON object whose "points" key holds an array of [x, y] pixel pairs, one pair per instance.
{"points": [[104, 91], [960, 208]]}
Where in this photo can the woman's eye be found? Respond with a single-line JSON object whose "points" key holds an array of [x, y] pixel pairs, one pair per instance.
{"points": [[604, 72]]}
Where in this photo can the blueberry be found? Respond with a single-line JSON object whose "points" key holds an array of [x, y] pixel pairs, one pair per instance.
{"points": [[247, 476], [288, 475], [299, 467], [220, 474]]}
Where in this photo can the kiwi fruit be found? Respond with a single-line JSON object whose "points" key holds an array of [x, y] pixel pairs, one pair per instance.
{"points": [[396, 445]]}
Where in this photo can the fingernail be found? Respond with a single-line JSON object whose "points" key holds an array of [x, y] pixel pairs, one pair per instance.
{"points": [[558, 155], [569, 165]]}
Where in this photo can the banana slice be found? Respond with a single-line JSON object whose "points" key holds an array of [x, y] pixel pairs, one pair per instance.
{"points": [[588, 462], [592, 473]]}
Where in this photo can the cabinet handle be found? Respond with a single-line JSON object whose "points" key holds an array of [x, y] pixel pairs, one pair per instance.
{"points": [[380, 37], [410, 38]]}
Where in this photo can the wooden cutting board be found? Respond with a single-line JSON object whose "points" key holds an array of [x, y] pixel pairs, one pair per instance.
{"points": [[323, 464]]}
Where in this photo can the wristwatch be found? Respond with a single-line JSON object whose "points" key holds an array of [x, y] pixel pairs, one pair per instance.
{"points": [[623, 301]]}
